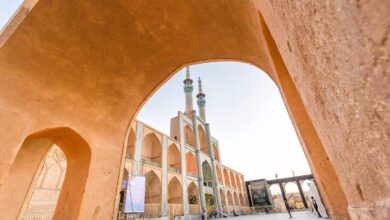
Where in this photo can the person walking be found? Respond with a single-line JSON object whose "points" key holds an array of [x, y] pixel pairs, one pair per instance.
{"points": [[314, 202], [288, 208]]}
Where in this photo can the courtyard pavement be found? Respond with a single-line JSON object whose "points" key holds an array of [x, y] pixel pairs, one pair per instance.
{"points": [[278, 216]]}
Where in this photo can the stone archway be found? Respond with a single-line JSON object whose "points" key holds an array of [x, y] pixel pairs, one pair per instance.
{"points": [[22, 172], [189, 136], [130, 144], [216, 153], [219, 174], [203, 140], [153, 188], [193, 198], [175, 192], [238, 179], [174, 158], [151, 149], [191, 165], [223, 200], [230, 201], [207, 174], [156, 64], [226, 177], [233, 179], [236, 202]]}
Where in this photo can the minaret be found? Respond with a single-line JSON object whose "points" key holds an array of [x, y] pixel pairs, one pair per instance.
{"points": [[201, 101], [188, 88]]}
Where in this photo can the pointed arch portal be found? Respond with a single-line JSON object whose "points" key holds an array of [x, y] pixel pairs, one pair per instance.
{"points": [[25, 166]]}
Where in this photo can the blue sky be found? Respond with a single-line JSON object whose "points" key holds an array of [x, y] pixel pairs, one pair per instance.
{"points": [[244, 109], [7, 8]]}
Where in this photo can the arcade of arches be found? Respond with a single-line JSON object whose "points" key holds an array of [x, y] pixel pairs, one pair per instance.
{"points": [[91, 76]]}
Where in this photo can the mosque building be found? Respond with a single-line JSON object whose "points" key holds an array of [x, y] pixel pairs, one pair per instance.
{"points": [[184, 171]]}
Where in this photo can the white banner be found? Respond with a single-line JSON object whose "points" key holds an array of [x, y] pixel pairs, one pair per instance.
{"points": [[135, 194]]}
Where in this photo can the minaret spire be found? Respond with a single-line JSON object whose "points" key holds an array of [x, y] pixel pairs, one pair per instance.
{"points": [[201, 101], [188, 88]]}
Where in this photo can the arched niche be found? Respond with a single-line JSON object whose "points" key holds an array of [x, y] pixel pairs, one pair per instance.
{"points": [[192, 168], [233, 178], [223, 200], [151, 149], [238, 179], [226, 177], [175, 192], [242, 202], [237, 203], [230, 198], [216, 153], [203, 140], [25, 166], [189, 136], [152, 188], [207, 174], [174, 157], [219, 174], [130, 144], [46, 189]]}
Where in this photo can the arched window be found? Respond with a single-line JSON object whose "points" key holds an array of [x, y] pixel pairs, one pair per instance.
{"points": [[238, 180], [174, 158], [151, 149]]}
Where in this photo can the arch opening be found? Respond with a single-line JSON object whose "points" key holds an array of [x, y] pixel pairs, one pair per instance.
{"points": [[193, 198], [207, 174], [151, 149], [203, 140], [174, 158], [175, 193], [189, 136], [192, 168], [25, 172]]}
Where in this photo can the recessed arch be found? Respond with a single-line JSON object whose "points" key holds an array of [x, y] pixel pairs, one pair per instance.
{"points": [[238, 179], [189, 136], [233, 179], [130, 144], [207, 174], [226, 177], [223, 200], [203, 140], [151, 149], [175, 192], [241, 197], [192, 168], [174, 157], [193, 198], [26, 163], [237, 203], [230, 198], [152, 188], [219, 173], [216, 152]]}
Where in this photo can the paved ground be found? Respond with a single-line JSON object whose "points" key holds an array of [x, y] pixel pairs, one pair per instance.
{"points": [[279, 216]]}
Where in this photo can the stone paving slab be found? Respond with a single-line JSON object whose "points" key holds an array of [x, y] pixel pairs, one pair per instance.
{"points": [[279, 216]]}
